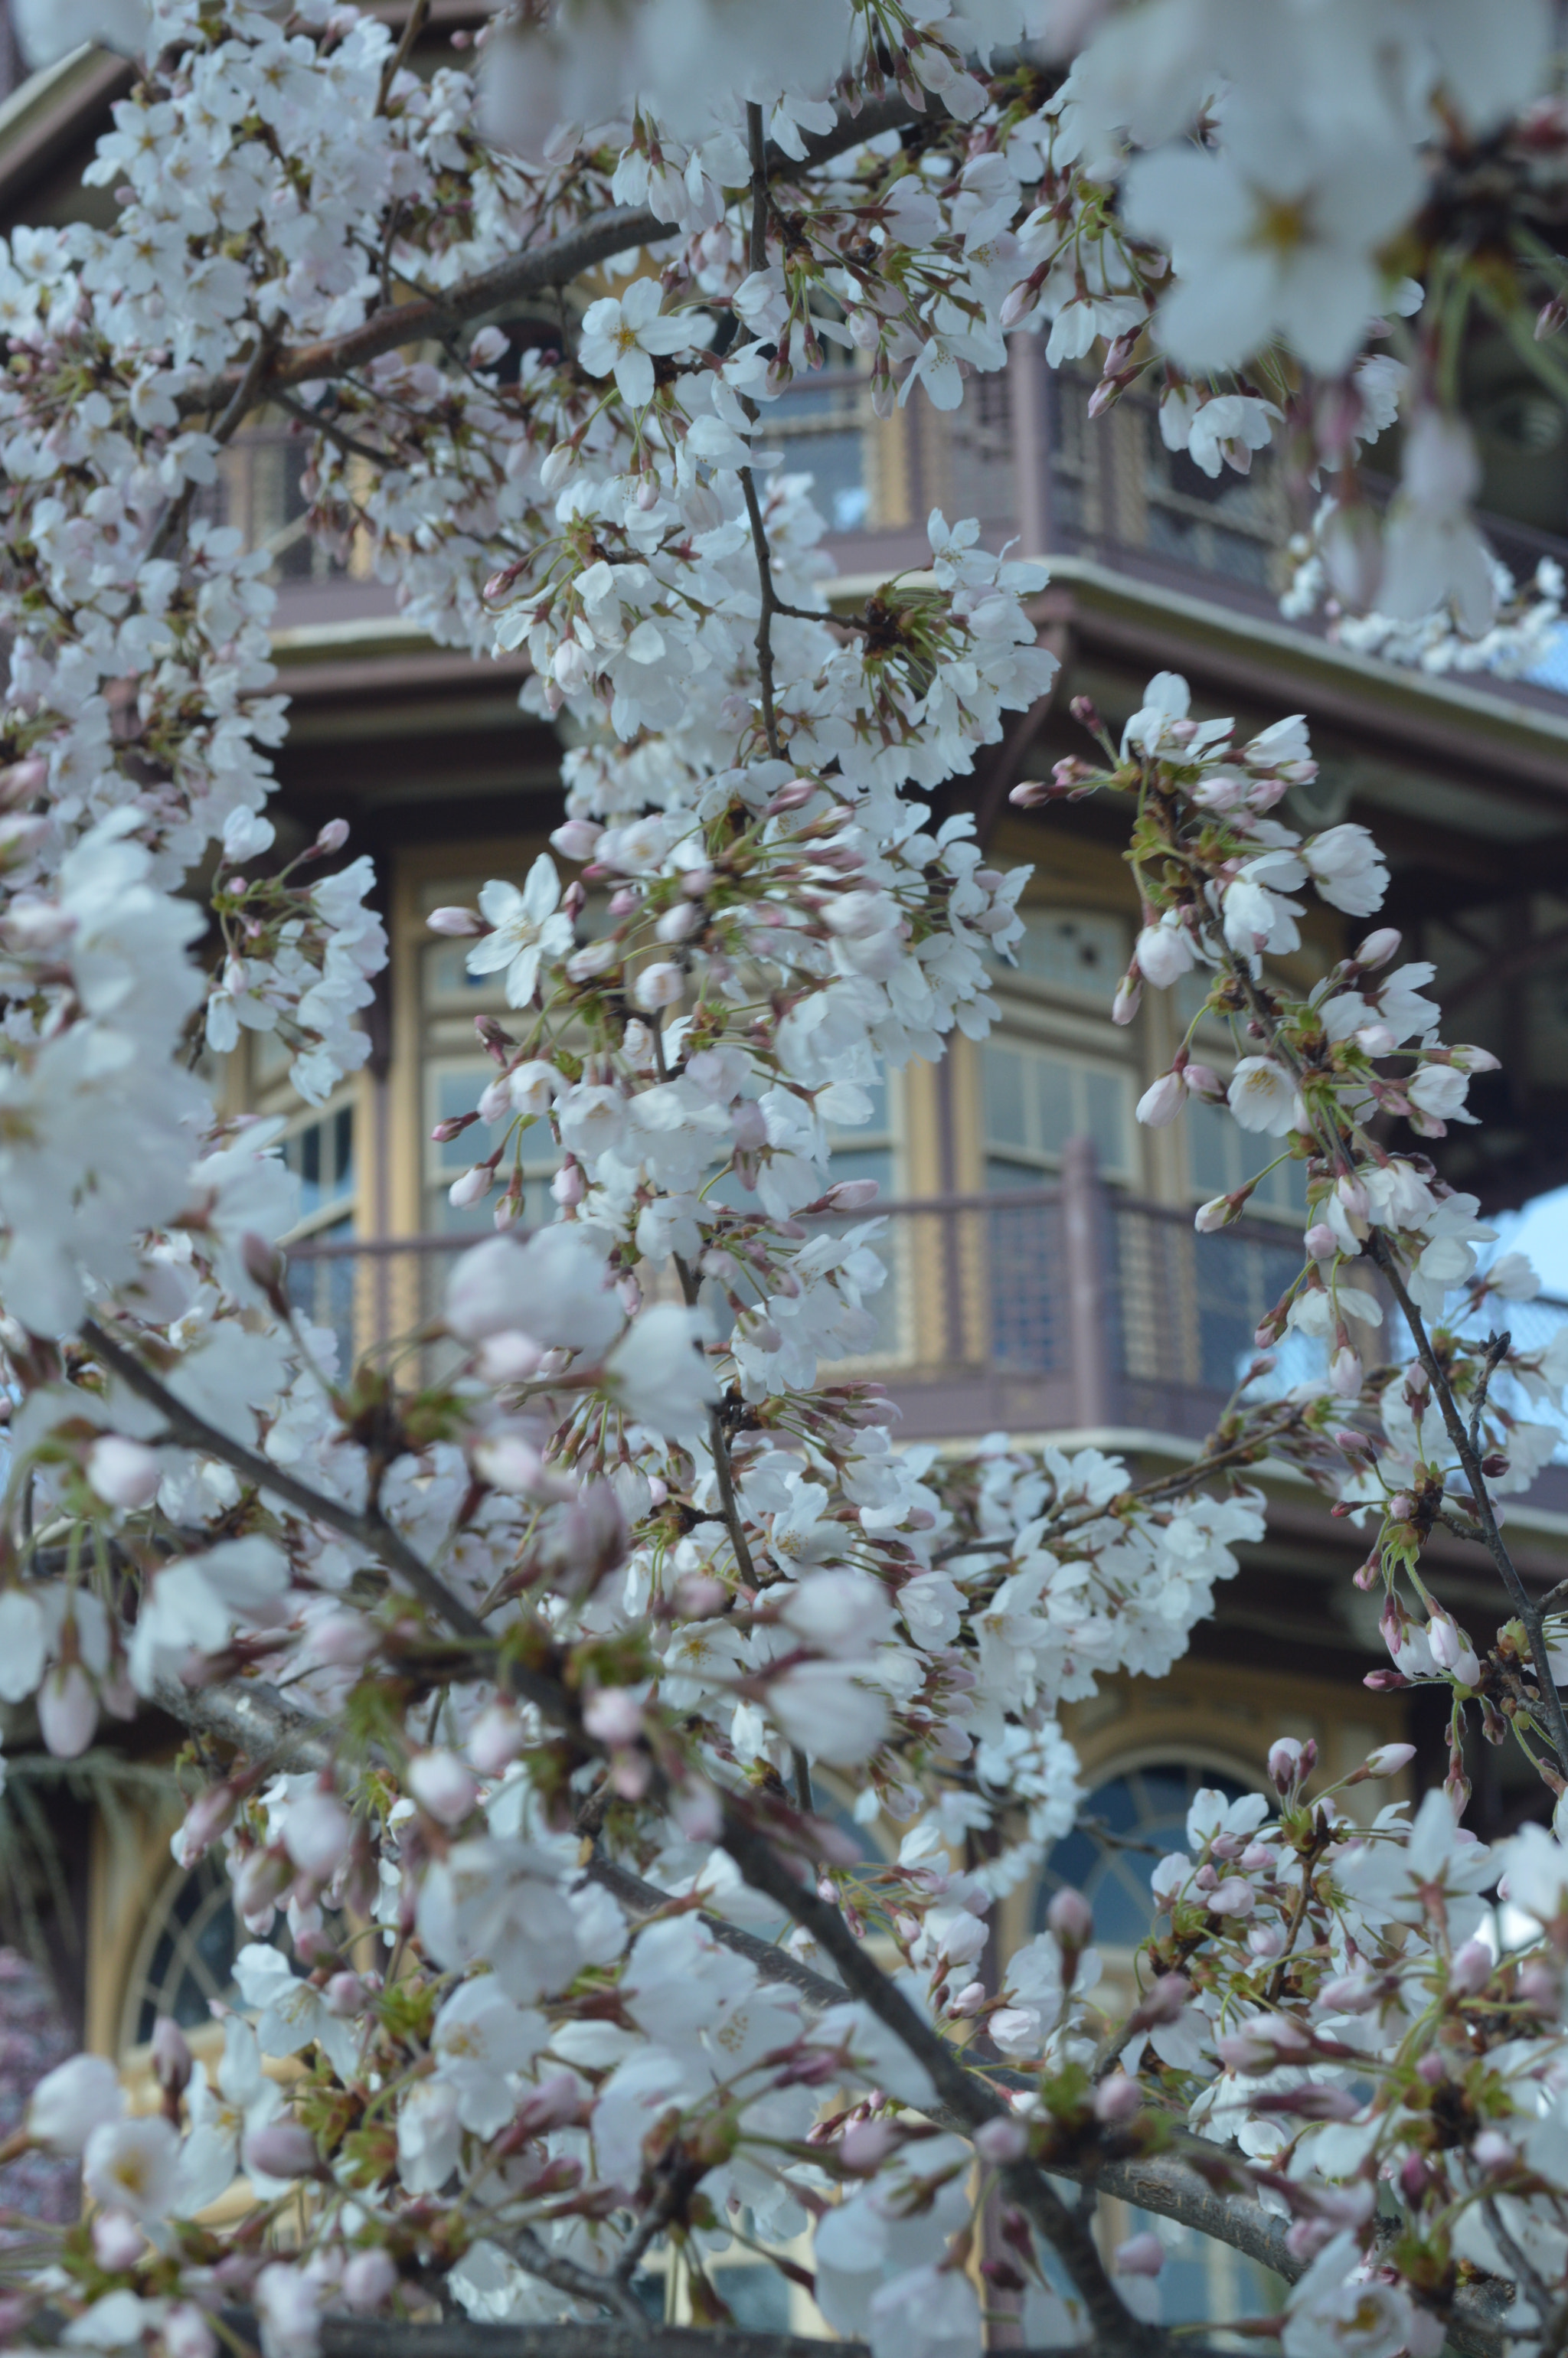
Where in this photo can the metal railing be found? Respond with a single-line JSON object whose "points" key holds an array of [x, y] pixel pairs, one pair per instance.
{"points": [[1066, 1305]]}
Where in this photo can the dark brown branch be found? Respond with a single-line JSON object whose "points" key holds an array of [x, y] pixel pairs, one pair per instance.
{"points": [[267, 1726], [538, 268], [1117, 2332]]}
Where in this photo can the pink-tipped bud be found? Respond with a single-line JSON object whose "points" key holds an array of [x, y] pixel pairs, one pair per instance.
{"points": [[1142, 2255], [794, 796], [171, 2057], [1472, 1968], [575, 838], [1000, 2141], [1321, 1241], [614, 1716], [495, 1739], [866, 2145], [369, 2279], [279, 2149], [852, 1194], [317, 1833], [1389, 1759], [1071, 1918], [1117, 2100], [332, 838], [124, 1473], [118, 2242], [1379, 947], [442, 1785], [455, 920], [346, 1995]]}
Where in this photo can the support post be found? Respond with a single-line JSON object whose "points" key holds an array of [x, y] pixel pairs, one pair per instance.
{"points": [[1085, 1236]]}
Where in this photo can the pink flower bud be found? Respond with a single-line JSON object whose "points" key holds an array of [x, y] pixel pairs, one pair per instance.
{"points": [[866, 2145], [1472, 1968], [171, 2057], [1000, 2141], [1142, 2255], [495, 1739], [1492, 2152], [852, 1194], [1162, 1102], [1129, 992], [472, 1188], [117, 2240], [1217, 1213], [793, 796], [317, 1833], [1071, 1918], [1379, 947], [1117, 2100], [1204, 1082], [455, 920], [1285, 1762], [67, 1706], [369, 2279], [124, 1473], [345, 1996], [575, 838], [569, 1185], [279, 2149], [1389, 1759], [613, 1716], [660, 985], [1321, 1241], [442, 1785], [186, 2333], [332, 838]]}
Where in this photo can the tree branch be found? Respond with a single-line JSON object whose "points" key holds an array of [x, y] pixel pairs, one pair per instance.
{"points": [[1117, 2332], [1492, 1539], [531, 272], [265, 1725]]}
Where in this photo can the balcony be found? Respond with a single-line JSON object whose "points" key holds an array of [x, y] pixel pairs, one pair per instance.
{"points": [[1072, 1307]]}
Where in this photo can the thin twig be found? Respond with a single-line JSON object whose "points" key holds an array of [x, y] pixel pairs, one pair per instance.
{"points": [[419, 16], [1491, 1537], [235, 412]]}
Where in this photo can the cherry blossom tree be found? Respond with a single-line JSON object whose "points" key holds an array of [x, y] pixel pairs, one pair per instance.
{"points": [[512, 1689]]}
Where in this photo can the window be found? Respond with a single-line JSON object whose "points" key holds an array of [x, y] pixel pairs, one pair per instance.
{"points": [[820, 425], [1127, 1824], [1035, 1098], [1077, 951], [319, 1150], [1221, 1157], [185, 1958]]}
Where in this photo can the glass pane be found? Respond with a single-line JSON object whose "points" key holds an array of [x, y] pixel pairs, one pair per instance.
{"points": [[1081, 954], [1107, 1120], [834, 463], [757, 2297], [343, 1152], [1002, 1079], [1214, 1148], [1004, 1174], [1126, 1825], [1056, 1111]]}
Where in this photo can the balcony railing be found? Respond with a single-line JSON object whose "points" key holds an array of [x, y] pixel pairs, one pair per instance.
{"points": [[1071, 1305]]}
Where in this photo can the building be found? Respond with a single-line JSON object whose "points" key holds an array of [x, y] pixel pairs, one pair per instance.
{"points": [[1045, 1278]]}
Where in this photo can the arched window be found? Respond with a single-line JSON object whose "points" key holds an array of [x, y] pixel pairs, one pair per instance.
{"points": [[1126, 1826], [185, 1957]]}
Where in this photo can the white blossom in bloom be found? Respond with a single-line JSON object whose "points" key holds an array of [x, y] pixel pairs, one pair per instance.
{"points": [[622, 335], [1263, 1096], [528, 927]]}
